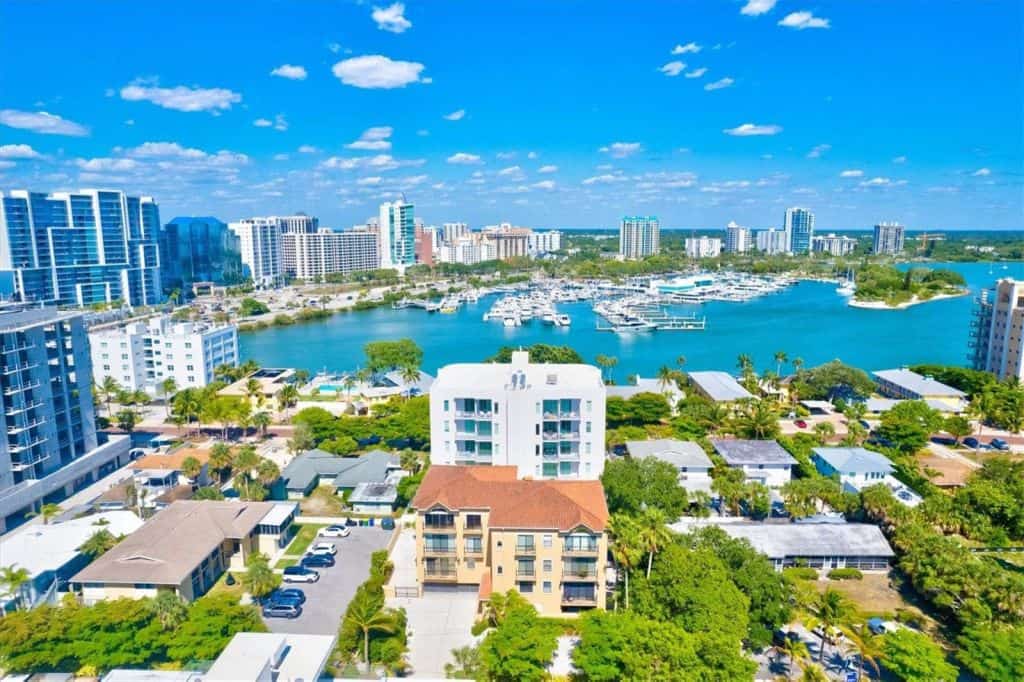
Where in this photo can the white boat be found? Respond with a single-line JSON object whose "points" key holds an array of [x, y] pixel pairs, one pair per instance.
{"points": [[511, 321], [562, 320], [634, 326]]}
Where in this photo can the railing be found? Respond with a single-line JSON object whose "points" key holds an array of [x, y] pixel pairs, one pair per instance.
{"points": [[21, 367], [435, 523], [579, 548], [440, 575], [584, 599], [526, 549], [437, 549], [17, 447], [23, 387], [526, 574], [579, 572], [17, 349], [18, 428], [11, 411]]}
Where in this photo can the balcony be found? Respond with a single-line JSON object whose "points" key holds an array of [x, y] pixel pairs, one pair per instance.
{"points": [[526, 550], [473, 530], [579, 548], [432, 522], [20, 367], [439, 550], [583, 572], [15, 429], [12, 390], [526, 574], [448, 576], [19, 447], [579, 597], [18, 349], [18, 409]]}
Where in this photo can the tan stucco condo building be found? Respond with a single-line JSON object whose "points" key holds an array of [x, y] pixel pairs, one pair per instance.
{"points": [[481, 526]]}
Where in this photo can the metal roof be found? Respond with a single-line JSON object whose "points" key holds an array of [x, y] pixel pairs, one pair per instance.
{"points": [[781, 540], [678, 453], [374, 493], [720, 386], [854, 460], [737, 452], [926, 387]]}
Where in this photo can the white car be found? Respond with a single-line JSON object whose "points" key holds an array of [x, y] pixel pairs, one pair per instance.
{"points": [[323, 548], [335, 532]]}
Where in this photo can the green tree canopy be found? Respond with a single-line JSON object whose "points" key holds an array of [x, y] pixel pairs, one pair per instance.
{"points": [[521, 647], [909, 425], [633, 484], [383, 356], [913, 657], [833, 380], [540, 353]]}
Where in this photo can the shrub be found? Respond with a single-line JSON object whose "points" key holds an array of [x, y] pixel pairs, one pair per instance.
{"points": [[799, 573], [845, 574]]}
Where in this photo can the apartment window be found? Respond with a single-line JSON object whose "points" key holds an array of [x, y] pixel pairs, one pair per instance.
{"points": [[547, 565], [473, 545], [524, 543], [588, 427], [473, 521], [548, 540], [470, 563], [524, 567], [547, 587], [590, 405], [190, 368], [188, 345], [446, 406], [500, 571], [446, 427], [525, 587]]}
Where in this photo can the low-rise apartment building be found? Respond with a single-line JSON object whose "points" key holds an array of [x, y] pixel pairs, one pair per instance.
{"points": [[481, 526], [142, 355], [547, 420], [185, 548], [907, 385]]}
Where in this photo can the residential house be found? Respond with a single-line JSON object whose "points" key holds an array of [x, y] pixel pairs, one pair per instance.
{"points": [[907, 385], [316, 467], [482, 526], [374, 498], [719, 387], [762, 461], [626, 391], [858, 468], [687, 457]]}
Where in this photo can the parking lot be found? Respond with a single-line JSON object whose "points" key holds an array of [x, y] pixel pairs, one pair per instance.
{"points": [[327, 599]]}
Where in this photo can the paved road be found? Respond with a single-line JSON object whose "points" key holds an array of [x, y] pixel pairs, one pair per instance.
{"points": [[438, 623], [940, 450], [327, 599]]}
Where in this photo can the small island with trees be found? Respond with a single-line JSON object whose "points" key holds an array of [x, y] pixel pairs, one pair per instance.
{"points": [[888, 288]]}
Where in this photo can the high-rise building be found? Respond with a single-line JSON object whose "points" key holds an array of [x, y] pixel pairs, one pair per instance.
{"points": [[425, 245], [79, 248], [703, 247], [140, 356], [799, 226], [545, 242], [199, 249], [397, 238], [639, 236], [738, 239], [547, 420], [888, 238], [51, 448], [326, 252], [997, 342], [260, 243], [771, 241], [834, 244], [298, 223], [454, 231], [509, 242]]}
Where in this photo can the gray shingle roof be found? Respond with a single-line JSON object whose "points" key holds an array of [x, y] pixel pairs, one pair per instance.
{"points": [[780, 540], [720, 386], [923, 386], [738, 452], [348, 472], [854, 460], [678, 453]]}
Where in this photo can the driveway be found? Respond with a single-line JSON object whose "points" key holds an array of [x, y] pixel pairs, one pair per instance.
{"points": [[327, 599], [438, 623]]}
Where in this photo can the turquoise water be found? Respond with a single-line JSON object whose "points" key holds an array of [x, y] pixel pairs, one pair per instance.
{"points": [[808, 320]]}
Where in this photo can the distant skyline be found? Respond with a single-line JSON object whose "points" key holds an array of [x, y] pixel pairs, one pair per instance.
{"points": [[569, 114]]}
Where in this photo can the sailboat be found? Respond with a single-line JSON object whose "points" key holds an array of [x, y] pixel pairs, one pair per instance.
{"points": [[847, 287]]}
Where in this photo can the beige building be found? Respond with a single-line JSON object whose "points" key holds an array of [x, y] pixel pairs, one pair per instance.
{"points": [[480, 526], [185, 548], [997, 330]]}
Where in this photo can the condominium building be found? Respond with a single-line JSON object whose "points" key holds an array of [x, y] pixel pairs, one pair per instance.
{"points": [[834, 244], [199, 249], [738, 239], [51, 448], [545, 242], [772, 241], [466, 250], [260, 243], [79, 248], [425, 245], [142, 355], [508, 242], [703, 247], [997, 330], [325, 252], [799, 226], [454, 231], [888, 238], [397, 236], [480, 526], [546, 420], [297, 224], [639, 236]]}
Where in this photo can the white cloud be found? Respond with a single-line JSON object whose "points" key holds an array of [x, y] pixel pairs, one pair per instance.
{"points": [[688, 48], [852, 173], [334, 47], [373, 139], [548, 169], [981, 173], [532, 155], [755, 8], [180, 98], [802, 20], [391, 18], [719, 84], [377, 71], [505, 156], [749, 129], [102, 165], [280, 157], [464, 159], [279, 123], [544, 184], [817, 150], [423, 133], [455, 115], [672, 69], [307, 149], [188, 158], [943, 189], [620, 150], [291, 72], [605, 179], [372, 180], [511, 171], [263, 123], [900, 159], [41, 122], [876, 182], [696, 73], [164, 149], [18, 151], [380, 162], [129, 122]]}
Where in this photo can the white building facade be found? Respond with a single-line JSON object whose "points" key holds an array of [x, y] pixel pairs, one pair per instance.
{"points": [[772, 241], [738, 239], [260, 243], [545, 242], [834, 244], [325, 252], [548, 420], [888, 238], [703, 247], [639, 237], [142, 355]]}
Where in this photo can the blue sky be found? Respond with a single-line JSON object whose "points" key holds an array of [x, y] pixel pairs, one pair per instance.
{"points": [[543, 113]]}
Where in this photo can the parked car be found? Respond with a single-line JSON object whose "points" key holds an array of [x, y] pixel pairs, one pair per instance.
{"points": [[300, 574], [276, 599], [999, 444], [387, 523], [780, 636], [335, 532], [800, 424], [317, 561], [865, 424], [327, 548], [351, 523], [282, 611], [975, 444], [288, 593]]}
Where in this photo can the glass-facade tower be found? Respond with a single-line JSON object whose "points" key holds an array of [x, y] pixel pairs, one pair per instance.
{"points": [[799, 224], [200, 249]]}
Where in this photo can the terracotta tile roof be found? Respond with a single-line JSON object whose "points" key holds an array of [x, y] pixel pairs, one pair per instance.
{"points": [[486, 588], [561, 505], [172, 461]]}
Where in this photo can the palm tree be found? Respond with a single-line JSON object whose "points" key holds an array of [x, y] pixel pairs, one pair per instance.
{"points": [[814, 673], [759, 420], [98, 543], [831, 611], [220, 459], [867, 645], [824, 431], [348, 383], [267, 472], [127, 420], [259, 579], [253, 389], [14, 579], [288, 396], [410, 375], [191, 467], [680, 361], [47, 512], [169, 609], [626, 549], [168, 387], [409, 461], [795, 650], [780, 360], [652, 534], [245, 460], [367, 615], [108, 391], [745, 364], [225, 372], [262, 420], [666, 377], [798, 364]]}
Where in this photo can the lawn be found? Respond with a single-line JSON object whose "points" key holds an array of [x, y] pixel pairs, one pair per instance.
{"points": [[303, 539], [285, 563], [322, 502], [873, 595], [221, 586]]}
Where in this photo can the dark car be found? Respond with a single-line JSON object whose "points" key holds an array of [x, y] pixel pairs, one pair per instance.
{"points": [[317, 561], [371, 440], [999, 444], [971, 442], [282, 611], [387, 524], [285, 596], [780, 636], [292, 592], [300, 574]]}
